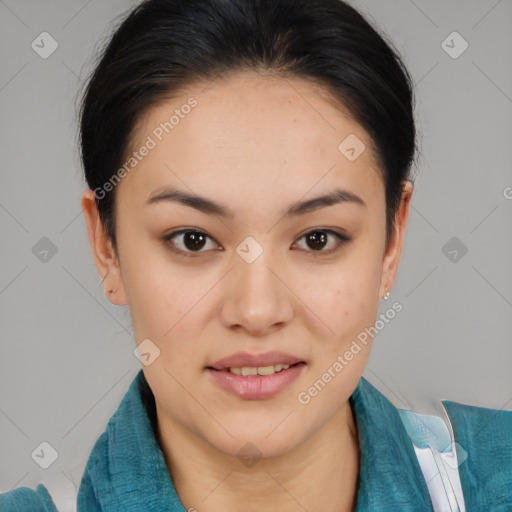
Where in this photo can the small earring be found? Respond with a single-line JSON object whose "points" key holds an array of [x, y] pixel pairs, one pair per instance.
{"points": [[112, 291], [386, 296]]}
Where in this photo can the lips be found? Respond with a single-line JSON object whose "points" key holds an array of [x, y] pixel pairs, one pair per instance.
{"points": [[255, 387], [244, 359]]}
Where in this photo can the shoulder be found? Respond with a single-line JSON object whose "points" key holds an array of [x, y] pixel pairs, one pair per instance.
{"points": [[25, 499], [474, 421], [465, 456], [472, 459], [486, 435]]}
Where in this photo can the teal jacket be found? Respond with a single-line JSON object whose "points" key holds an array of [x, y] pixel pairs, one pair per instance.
{"points": [[126, 471]]}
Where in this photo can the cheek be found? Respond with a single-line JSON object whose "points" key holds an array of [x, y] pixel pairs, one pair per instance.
{"points": [[159, 303], [344, 295], [345, 298], [155, 292], [167, 307]]}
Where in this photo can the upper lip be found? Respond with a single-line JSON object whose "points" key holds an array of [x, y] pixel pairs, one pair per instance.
{"points": [[244, 359]]}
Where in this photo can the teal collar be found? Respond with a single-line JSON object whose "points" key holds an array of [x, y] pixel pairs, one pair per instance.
{"points": [[486, 474], [390, 476], [126, 469]]}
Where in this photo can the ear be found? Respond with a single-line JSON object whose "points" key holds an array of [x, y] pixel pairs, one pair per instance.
{"points": [[393, 251], [104, 254]]}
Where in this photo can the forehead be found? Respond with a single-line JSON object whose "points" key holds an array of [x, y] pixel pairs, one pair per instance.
{"points": [[256, 135]]}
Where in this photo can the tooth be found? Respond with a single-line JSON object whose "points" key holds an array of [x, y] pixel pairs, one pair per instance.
{"points": [[249, 371], [261, 370], [266, 370]]}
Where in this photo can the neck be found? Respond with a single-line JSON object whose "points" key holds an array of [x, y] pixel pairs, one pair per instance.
{"points": [[319, 474]]}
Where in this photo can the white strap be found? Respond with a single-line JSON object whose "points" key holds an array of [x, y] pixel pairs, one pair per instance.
{"points": [[438, 459], [438, 494]]}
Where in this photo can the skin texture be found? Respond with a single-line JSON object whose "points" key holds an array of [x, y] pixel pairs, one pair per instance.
{"points": [[256, 144]]}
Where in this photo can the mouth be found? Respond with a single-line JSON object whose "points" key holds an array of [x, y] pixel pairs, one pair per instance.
{"points": [[257, 382]]}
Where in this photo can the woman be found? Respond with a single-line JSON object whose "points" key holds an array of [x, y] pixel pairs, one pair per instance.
{"points": [[248, 164]]}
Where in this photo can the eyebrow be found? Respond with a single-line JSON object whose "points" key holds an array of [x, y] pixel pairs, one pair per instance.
{"points": [[208, 206]]}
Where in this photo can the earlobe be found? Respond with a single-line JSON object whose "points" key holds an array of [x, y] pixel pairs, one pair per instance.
{"points": [[105, 257]]}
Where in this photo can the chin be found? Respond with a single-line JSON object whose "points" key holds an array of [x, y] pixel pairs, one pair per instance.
{"points": [[249, 444]]}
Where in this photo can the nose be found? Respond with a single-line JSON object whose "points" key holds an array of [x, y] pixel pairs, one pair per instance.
{"points": [[256, 297]]}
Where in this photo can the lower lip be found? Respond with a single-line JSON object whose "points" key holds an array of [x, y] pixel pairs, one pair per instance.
{"points": [[256, 386]]}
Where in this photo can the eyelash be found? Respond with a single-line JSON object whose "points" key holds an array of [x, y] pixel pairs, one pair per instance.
{"points": [[342, 240]]}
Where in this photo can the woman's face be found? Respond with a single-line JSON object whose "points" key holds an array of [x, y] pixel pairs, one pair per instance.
{"points": [[256, 279]]}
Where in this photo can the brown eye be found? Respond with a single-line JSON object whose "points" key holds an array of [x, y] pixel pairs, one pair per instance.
{"points": [[318, 239], [187, 241]]}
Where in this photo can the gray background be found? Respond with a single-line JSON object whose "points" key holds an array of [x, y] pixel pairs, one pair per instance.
{"points": [[66, 353]]}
